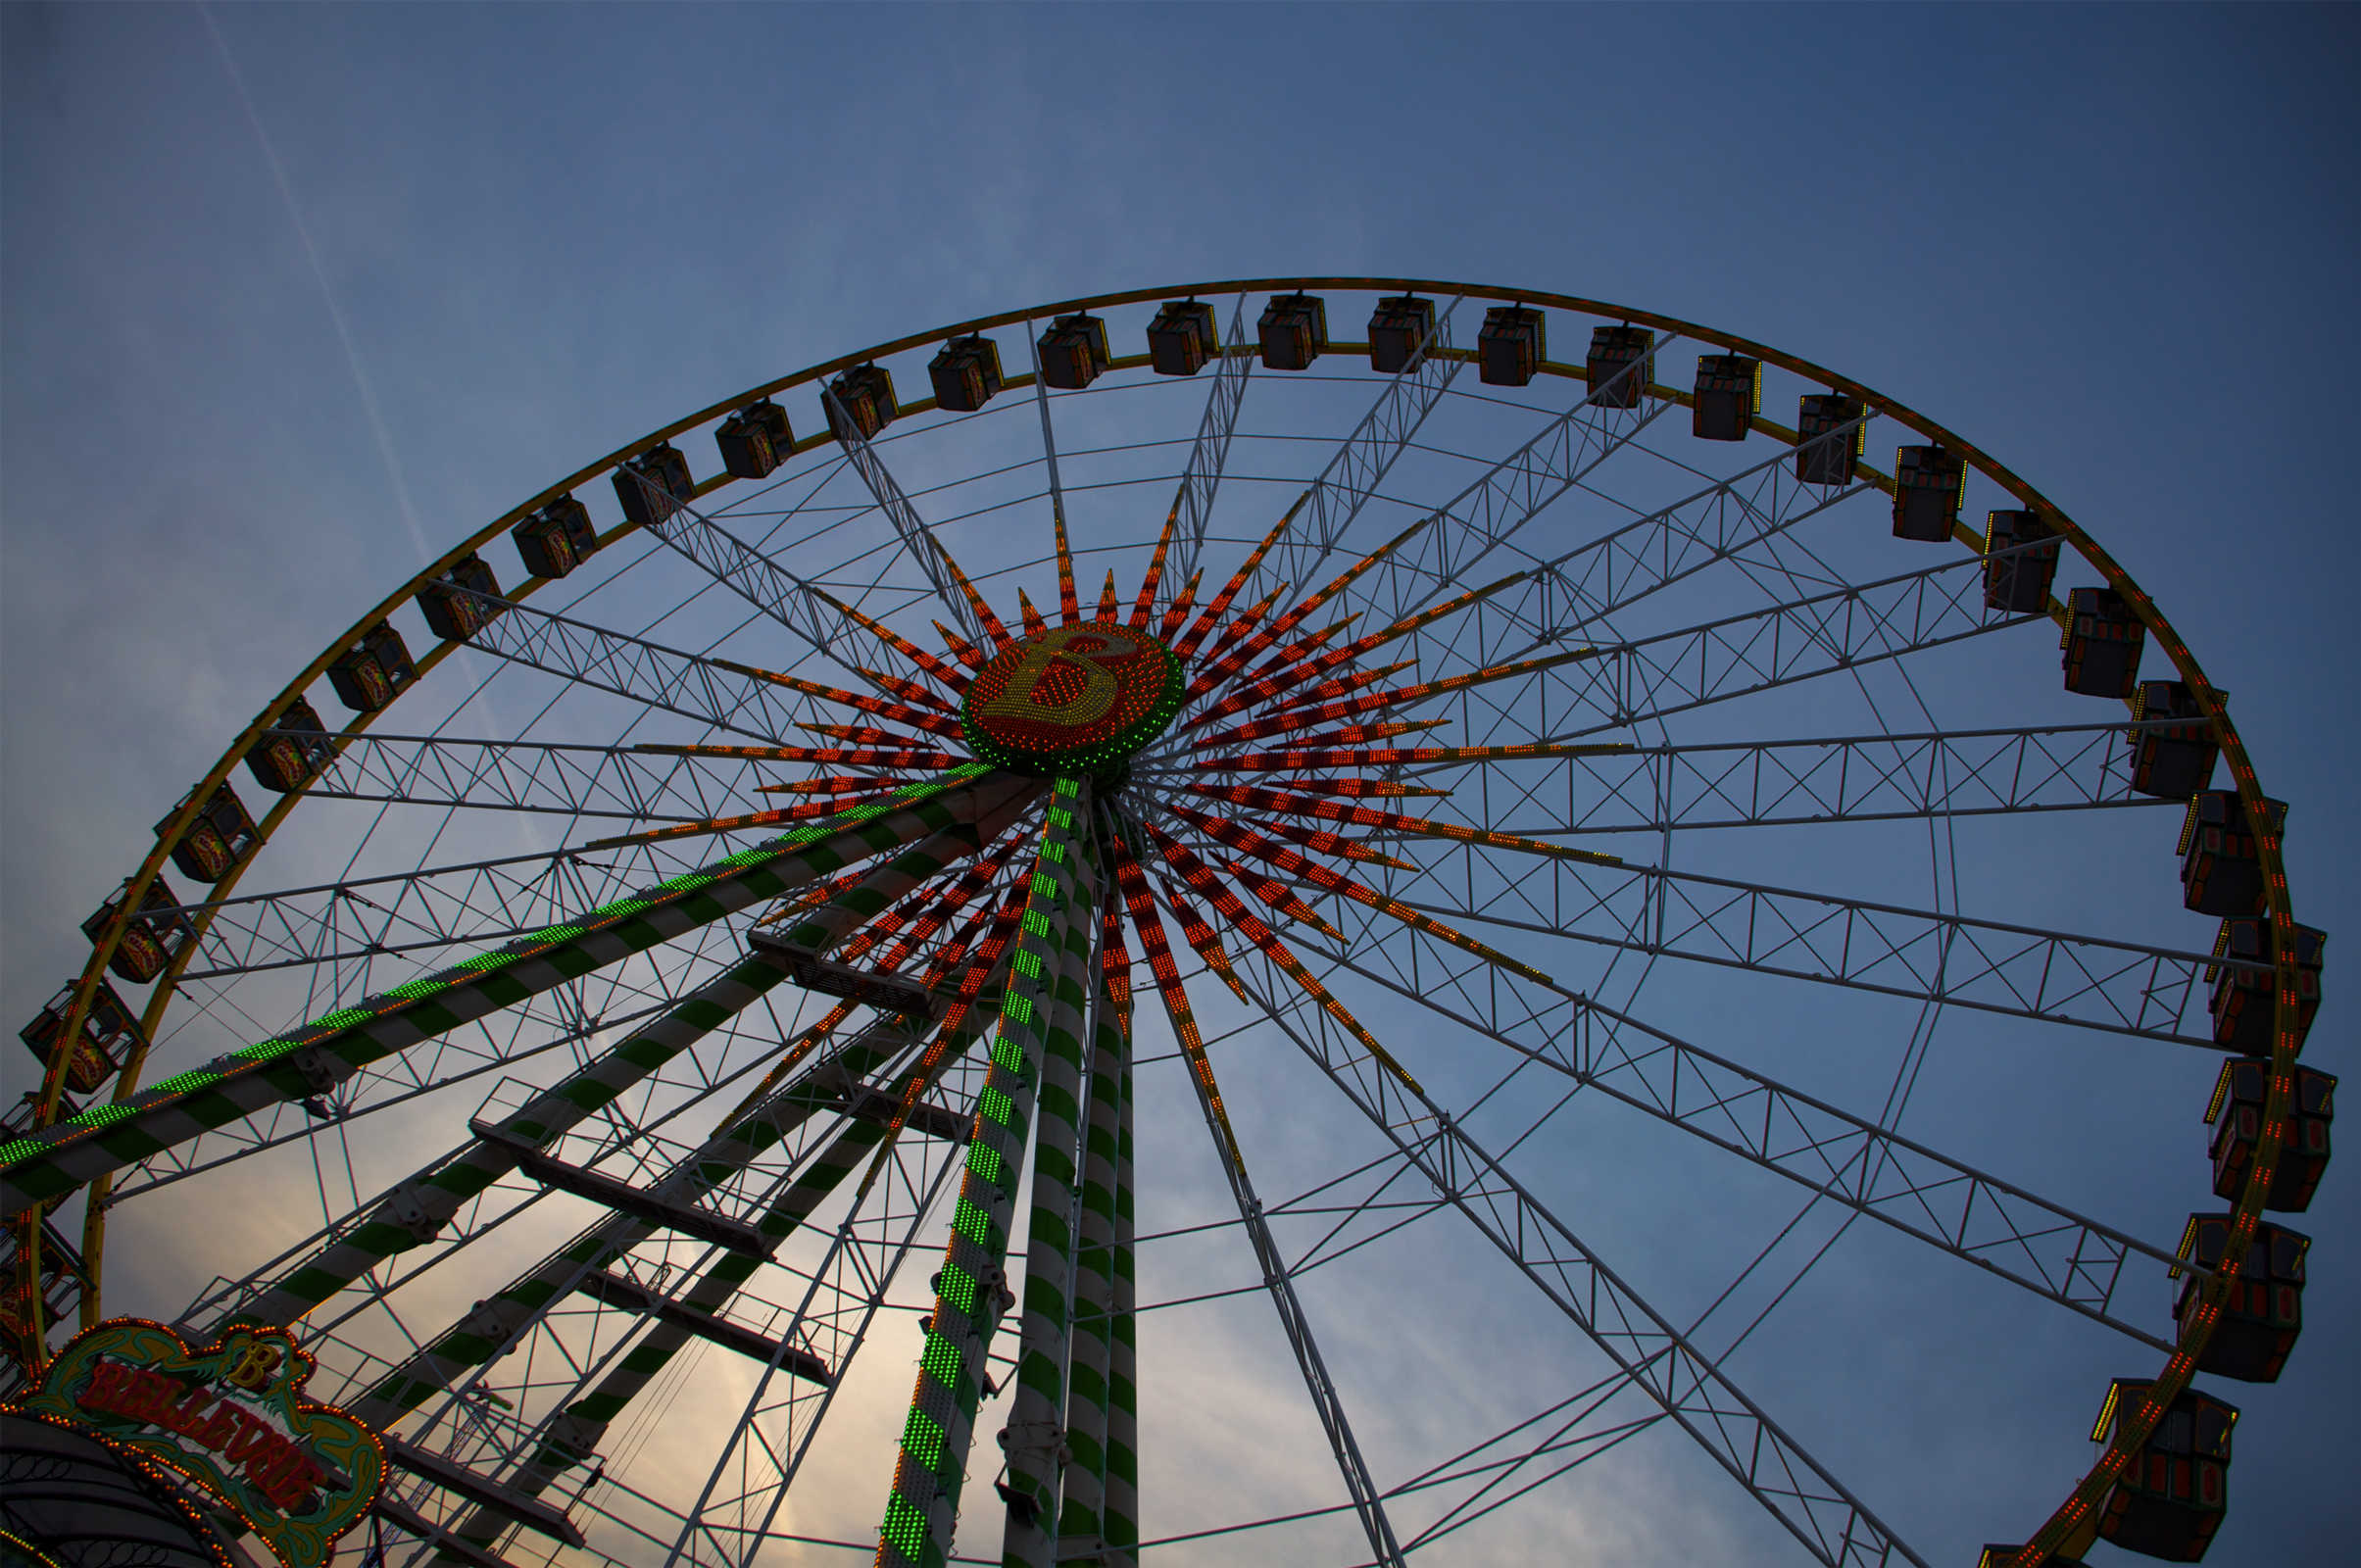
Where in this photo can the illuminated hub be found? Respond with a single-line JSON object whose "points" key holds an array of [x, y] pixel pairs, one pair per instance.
{"points": [[1074, 699]]}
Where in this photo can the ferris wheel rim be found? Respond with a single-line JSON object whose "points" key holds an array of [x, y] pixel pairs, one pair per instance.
{"points": [[2081, 1504]]}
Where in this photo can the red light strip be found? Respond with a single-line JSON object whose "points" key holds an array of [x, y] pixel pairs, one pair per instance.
{"points": [[1395, 821], [1155, 569], [1350, 735], [1249, 842], [1271, 685], [986, 959], [1109, 608], [1069, 609], [830, 786], [1213, 611], [1180, 605], [1296, 617], [1244, 655], [1201, 936], [1376, 701], [1151, 927], [901, 645], [1115, 959], [910, 691], [975, 601], [1275, 894], [1342, 685], [898, 712], [1035, 626], [966, 652], [1200, 877], [859, 734], [1244, 622]]}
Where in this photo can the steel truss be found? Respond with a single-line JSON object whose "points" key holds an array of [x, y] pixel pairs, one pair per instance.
{"points": [[646, 673], [1653, 1355], [2047, 976], [1860, 778], [1351, 481], [918, 540], [1194, 507], [2004, 1229], [536, 777]]}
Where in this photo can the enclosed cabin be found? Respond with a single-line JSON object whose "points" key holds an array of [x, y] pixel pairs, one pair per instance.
{"points": [[654, 485], [2244, 1014], [292, 757], [2221, 858], [219, 839], [1183, 339], [156, 934], [369, 675], [1830, 435], [2020, 561], [1928, 482], [2101, 644], [757, 439], [2171, 1496], [2239, 1095], [2264, 1311], [1073, 352], [1400, 328], [861, 402], [58, 1283], [462, 600], [966, 374], [557, 538], [1727, 397], [109, 1037], [2173, 749], [1510, 347], [1621, 363], [1294, 328]]}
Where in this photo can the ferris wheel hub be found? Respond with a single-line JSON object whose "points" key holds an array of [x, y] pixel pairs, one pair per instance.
{"points": [[1080, 698]]}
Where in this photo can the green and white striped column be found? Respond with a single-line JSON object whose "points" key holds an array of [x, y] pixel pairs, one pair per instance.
{"points": [[106, 1138], [971, 1288], [419, 1207], [1035, 1441], [422, 1205], [575, 1434], [1120, 1512], [490, 1327], [1081, 1525], [492, 1323]]}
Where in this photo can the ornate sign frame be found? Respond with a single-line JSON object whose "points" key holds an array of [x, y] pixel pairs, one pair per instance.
{"points": [[228, 1418]]}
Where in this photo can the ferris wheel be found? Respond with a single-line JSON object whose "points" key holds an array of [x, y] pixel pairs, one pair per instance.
{"points": [[1134, 886]]}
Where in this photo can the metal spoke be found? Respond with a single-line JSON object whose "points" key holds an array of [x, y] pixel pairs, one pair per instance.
{"points": [[1202, 477], [918, 542], [746, 571], [2023, 971], [332, 1048], [646, 673], [1997, 1226], [538, 777], [1697, 1393], [1862, 778]]}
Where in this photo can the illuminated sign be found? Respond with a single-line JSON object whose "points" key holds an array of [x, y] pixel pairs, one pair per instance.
{"points": [[228, 1418], [1074, 699]]}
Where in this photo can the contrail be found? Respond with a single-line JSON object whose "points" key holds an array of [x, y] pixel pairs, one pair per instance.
{"points": [[368, 401]]}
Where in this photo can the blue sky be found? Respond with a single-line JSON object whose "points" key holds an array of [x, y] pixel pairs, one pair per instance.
{"points": [[2112, 245]]}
